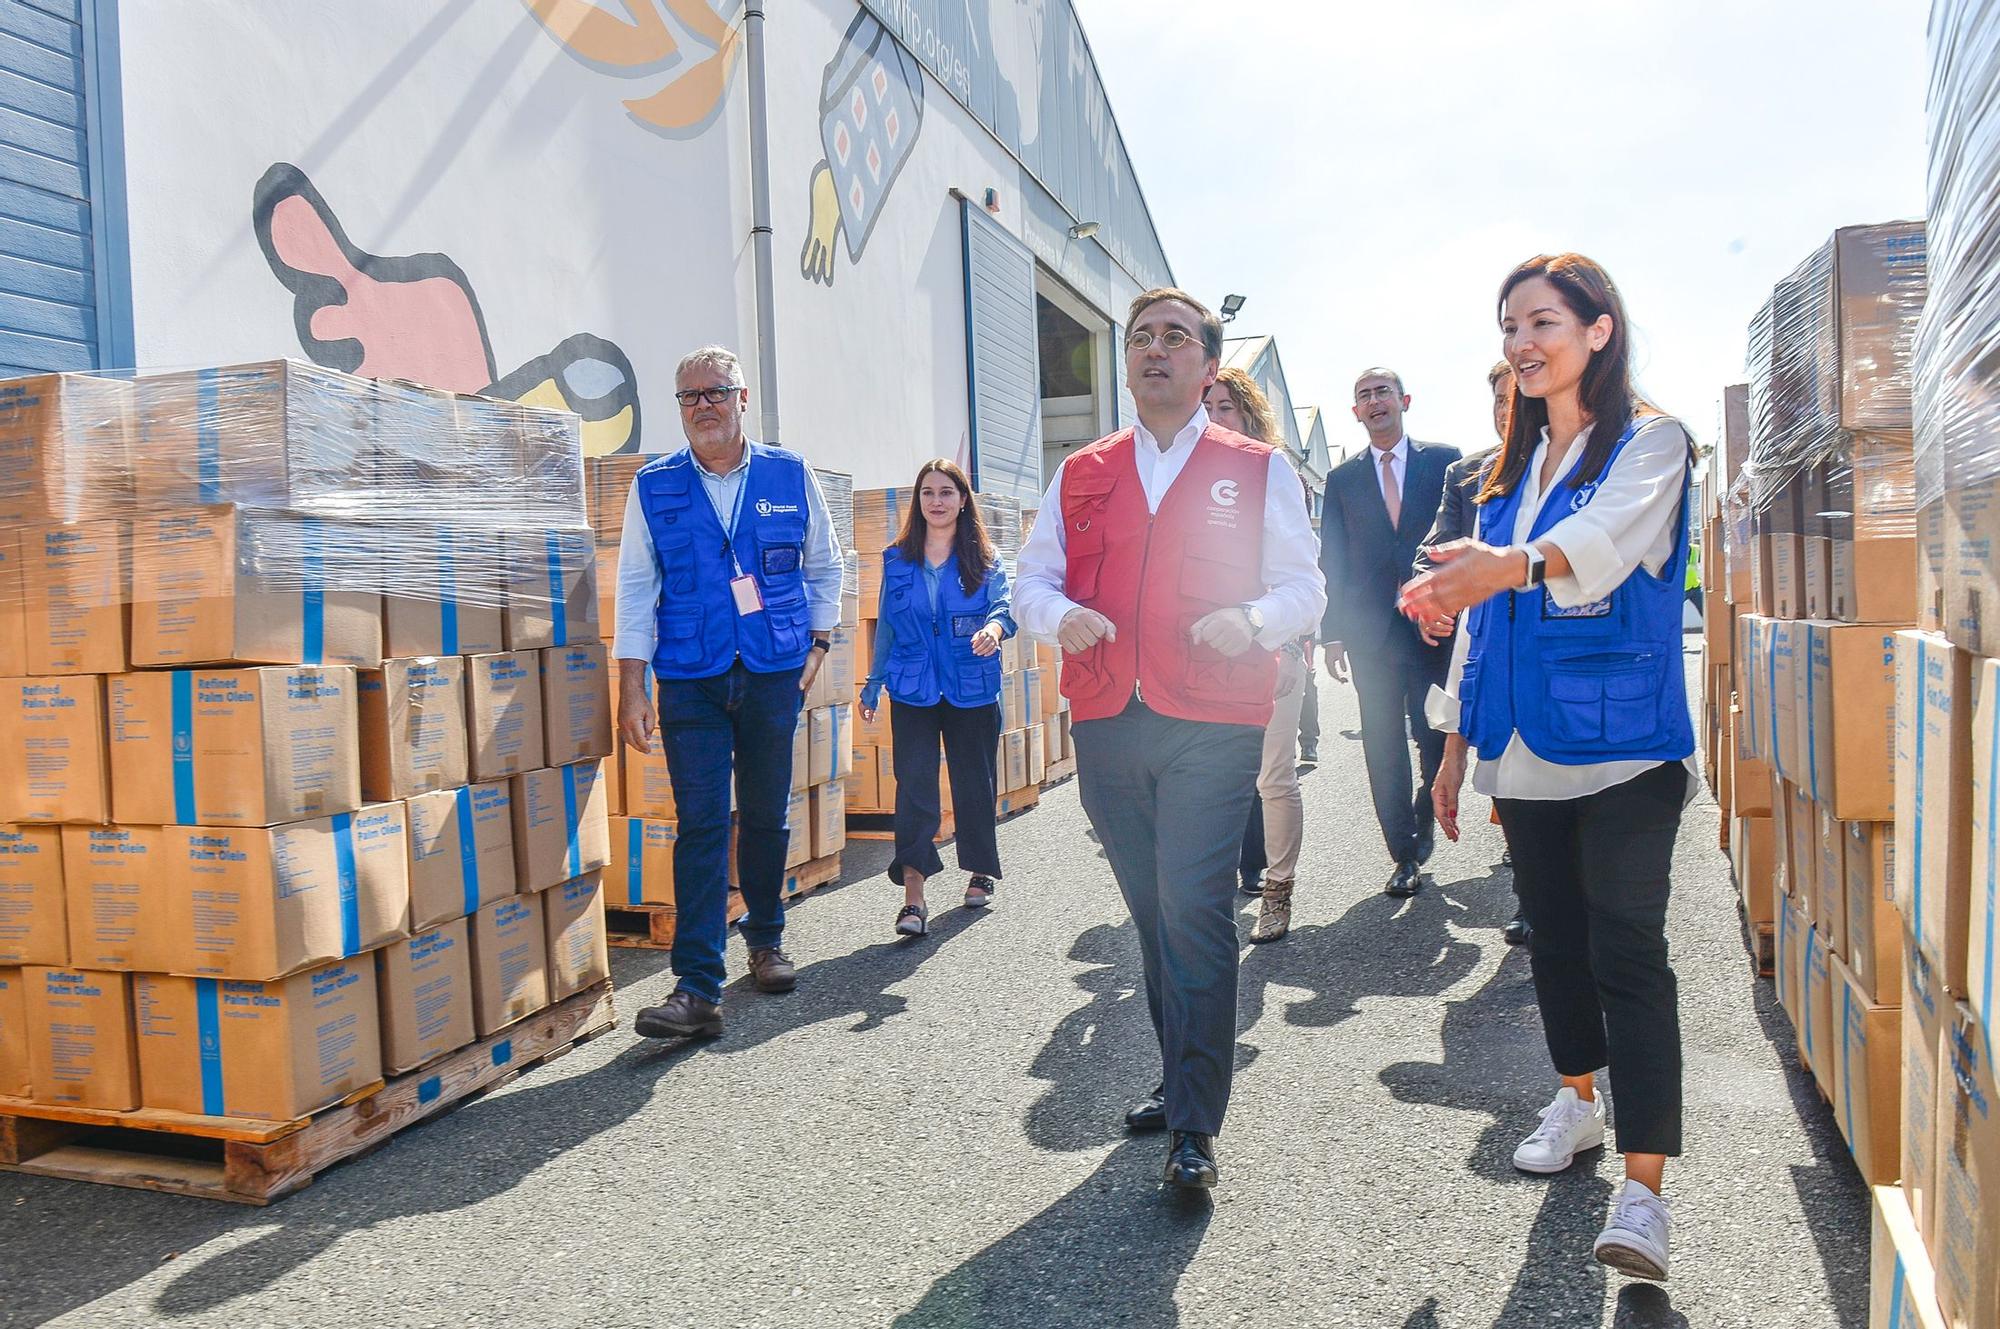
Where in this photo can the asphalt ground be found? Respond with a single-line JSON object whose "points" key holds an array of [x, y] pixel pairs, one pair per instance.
{"points": [[927, 1134]]}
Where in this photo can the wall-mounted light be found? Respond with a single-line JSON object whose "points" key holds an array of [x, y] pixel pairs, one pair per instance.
{"points": [[1084, 230], [993, 201], [1231, 306]]}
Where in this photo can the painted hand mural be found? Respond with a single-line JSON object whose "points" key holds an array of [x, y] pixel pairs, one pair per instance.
{"points": [[640, 44], [871, 105], [416, 317]]}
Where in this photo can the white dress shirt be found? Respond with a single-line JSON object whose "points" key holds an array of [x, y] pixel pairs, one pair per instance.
{"points": [[1399, 464], [1629, 523], [637, 629], [1295, 595]]}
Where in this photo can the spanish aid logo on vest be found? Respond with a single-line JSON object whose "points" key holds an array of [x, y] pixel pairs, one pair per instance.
{"points": [[1222, 503]]}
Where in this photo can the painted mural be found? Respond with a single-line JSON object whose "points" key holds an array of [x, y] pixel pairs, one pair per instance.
{"points": [[871, 106], [640, 45], [416, 317]]}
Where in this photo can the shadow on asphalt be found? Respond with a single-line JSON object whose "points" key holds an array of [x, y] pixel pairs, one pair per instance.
{"points": [[1094, 1257]]}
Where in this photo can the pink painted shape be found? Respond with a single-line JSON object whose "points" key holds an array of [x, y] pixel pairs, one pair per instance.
{"points": [[425, 330]]}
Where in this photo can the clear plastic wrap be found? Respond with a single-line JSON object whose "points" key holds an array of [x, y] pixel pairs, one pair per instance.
{"points": [[1958, 339], [838, 489], [218, 493]]}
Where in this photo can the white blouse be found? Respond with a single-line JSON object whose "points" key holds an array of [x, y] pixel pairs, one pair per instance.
{"points": [[1629, 523]]}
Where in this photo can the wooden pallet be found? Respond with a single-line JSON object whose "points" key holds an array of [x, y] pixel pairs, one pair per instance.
{"points": [[651, 926], [256, 1162], [882, 825], [1763, 949], [808, 877], [1058, 772]]}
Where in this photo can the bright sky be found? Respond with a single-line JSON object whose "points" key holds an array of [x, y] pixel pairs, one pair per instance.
{"points": [[1366, 173]]}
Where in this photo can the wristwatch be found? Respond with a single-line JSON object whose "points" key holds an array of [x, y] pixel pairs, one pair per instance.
{"points": [[1254, 616], [822, 644], [1537, 568]]}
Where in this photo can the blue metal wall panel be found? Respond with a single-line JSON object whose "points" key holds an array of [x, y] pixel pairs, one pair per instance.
{"points": [[49, 308]]}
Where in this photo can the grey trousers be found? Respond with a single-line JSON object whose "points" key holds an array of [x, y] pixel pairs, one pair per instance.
{"points": [[1168, 799]]}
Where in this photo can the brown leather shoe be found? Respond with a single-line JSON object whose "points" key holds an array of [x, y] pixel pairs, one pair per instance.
{"points": [[772, 970], [684, 1016]]}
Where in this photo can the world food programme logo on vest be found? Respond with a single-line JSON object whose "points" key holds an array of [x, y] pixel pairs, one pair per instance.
{"points": [[1222, 500], [1581, 498], [765, 507]]}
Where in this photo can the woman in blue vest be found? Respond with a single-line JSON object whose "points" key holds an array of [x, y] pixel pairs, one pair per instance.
{"points": [[943, 614], [1572, 693]]}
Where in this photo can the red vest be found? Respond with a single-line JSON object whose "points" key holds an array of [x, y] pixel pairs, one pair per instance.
{"points": [[1155, 575]]}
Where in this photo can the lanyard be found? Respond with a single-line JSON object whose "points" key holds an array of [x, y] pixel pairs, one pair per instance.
{"points": [[735, 515]]}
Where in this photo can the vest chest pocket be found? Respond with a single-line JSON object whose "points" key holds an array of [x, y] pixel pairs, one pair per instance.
{"points": [[1083, 562], [1616, 707], [781, 548], [676, 558], [680, 634]]}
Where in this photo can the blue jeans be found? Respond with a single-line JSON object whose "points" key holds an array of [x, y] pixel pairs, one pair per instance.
{"points": [[740, 722]]}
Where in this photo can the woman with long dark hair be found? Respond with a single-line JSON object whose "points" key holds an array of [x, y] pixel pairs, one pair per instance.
{"points": [[1269, 859], [943, 613], [1572, 693]]}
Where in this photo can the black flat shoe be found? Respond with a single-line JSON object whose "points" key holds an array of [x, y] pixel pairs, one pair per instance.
{"points": [[1404, 881], [1517, 931], [914, 920], [1191, 1162], [979, 892], [1149, 1113], [1253, 885]]}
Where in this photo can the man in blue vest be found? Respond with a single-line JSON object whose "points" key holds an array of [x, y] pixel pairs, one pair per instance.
{"points": [[728, 588]]}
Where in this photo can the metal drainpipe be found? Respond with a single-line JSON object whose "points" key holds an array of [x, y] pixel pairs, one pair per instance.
{"points": [[760, 224]]}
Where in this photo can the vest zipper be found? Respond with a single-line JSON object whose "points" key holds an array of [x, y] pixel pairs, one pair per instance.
{"points": [[1138, 619]]}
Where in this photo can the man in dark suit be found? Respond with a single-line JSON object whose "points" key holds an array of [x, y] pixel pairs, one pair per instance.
{"points": [[1458, 516], [1379, 505]]}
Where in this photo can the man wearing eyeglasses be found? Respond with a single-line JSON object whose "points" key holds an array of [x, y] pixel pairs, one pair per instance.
{"points": [[1171, 561], [729, 589]]}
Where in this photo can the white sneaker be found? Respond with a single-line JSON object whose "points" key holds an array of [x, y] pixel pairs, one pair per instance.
{"points": [[1569, 1126], [1634, 1241]]}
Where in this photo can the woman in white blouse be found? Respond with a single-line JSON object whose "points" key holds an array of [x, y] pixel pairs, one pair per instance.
{"points": [[1571, 690]]}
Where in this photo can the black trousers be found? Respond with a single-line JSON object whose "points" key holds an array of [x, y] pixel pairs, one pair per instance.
{"points": [[1592, 874], [1391, 684], [1309, 716], [969, 734], [1167, 799]]}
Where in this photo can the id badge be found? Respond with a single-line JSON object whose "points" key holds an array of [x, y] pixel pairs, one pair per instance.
{"points": [[748, 599]]}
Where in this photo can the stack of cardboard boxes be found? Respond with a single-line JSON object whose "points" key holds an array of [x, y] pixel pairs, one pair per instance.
{"points": [[644, 819], [1034, 715], [299, 782]]}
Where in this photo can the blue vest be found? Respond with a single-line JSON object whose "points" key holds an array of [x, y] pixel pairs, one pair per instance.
{"points": [[930, 654], [1600, 682], [700, 632]]}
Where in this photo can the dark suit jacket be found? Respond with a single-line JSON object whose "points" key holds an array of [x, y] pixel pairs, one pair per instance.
{"points": [[1365, 561], [1457, 515]]}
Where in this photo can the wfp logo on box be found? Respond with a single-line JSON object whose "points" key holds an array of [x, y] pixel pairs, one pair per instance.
{"points": [[183, 744]]}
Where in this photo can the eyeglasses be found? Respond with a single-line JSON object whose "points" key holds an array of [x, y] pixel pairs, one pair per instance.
{"points": [[713, 396], [1173, 339]]}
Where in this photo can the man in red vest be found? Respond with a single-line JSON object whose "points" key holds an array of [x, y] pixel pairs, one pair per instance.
{"points": [[1171, 560]]}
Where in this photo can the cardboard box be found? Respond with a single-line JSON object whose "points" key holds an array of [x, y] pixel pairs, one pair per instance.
{"points": [[1830, 879], [1751, 846], [65, 448], [827, 811], [1967, 1251], [278, 434], [1817, 551], [649, 786], [842, 669], [1933, 797], [510, 963], [1926, 1012], [1902, 1291], [461, 851], [1753, 671], [798, 830], [504, 710], [34, 927], [830, 751], [457, 599], [1781, 699], [1017, 760], [1971, 582], [264, 902], [1931, 548], [1718, 625], [1788, 956], [1873, 929], [80, 1038], [1749, 778], [864, 786], [117, 913], [1038, 754], [573, 917], [234, 747], [1983, 915], [13, 623], [226, 585], [13, 1035], [801, 750], [1867, 1077], [560, 826], [1802, 855], [576, 714], [1788, 584], [641, 867], [273, 1050], [551, 589], [52, 758], [73, 579], [413, 733], [1850, 742], [426, 996], [1819, 1036]]}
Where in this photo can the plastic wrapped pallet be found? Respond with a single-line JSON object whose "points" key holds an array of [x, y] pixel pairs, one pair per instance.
{"points": [[838, 489]]}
